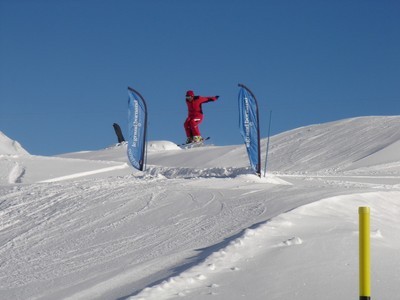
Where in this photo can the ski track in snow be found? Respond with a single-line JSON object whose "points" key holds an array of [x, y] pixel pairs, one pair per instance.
{"points": [[81, 228], [92, 226]]}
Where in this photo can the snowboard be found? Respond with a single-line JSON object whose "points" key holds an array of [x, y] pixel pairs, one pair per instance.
{"points": [[194, 144]]}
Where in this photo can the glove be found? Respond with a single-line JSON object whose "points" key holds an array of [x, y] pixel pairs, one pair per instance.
{"points": [[217, 97]]}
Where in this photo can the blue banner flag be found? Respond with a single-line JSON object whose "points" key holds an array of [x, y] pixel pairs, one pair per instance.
{"points": [[137, 126], [249, 126]]}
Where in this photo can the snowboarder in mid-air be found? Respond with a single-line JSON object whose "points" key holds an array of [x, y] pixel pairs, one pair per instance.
{"points": [[195, 116]]}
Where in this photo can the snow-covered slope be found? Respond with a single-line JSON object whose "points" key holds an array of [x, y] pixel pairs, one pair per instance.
{"points": [[340, 146], [10, 147], [374, 148], [18, 166], [365, 144], [198, 225]]}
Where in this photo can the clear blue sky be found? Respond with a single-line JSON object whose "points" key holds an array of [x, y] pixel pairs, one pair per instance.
{"points": [[65, 65]]}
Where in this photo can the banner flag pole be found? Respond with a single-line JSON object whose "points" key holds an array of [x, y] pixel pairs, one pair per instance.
{"points": [[266, 152]]}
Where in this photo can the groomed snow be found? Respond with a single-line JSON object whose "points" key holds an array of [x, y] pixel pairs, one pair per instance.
{"points": [[198, 225]]}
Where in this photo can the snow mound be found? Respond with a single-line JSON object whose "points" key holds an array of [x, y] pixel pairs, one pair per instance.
{"points": [[161, 146], [11, 171], [10, 147], [374, 143]]}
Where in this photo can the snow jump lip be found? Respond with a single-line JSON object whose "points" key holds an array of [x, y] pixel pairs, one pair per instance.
{"points": [[218, 172]]}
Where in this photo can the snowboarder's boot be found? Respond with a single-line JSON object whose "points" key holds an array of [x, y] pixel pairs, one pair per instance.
{"points": [[197, 139]]}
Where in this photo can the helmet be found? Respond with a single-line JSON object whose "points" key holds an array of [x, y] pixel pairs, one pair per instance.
{"points": [[189, 93]]}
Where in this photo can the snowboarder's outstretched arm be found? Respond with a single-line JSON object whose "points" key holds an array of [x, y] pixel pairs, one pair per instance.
{"points": [[204, 99]]}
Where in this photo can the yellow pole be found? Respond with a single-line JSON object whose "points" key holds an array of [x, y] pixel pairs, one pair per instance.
{"points": [[365, 253]]}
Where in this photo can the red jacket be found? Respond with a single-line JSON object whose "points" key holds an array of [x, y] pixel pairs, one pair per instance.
{"points": [[194, 106]]}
